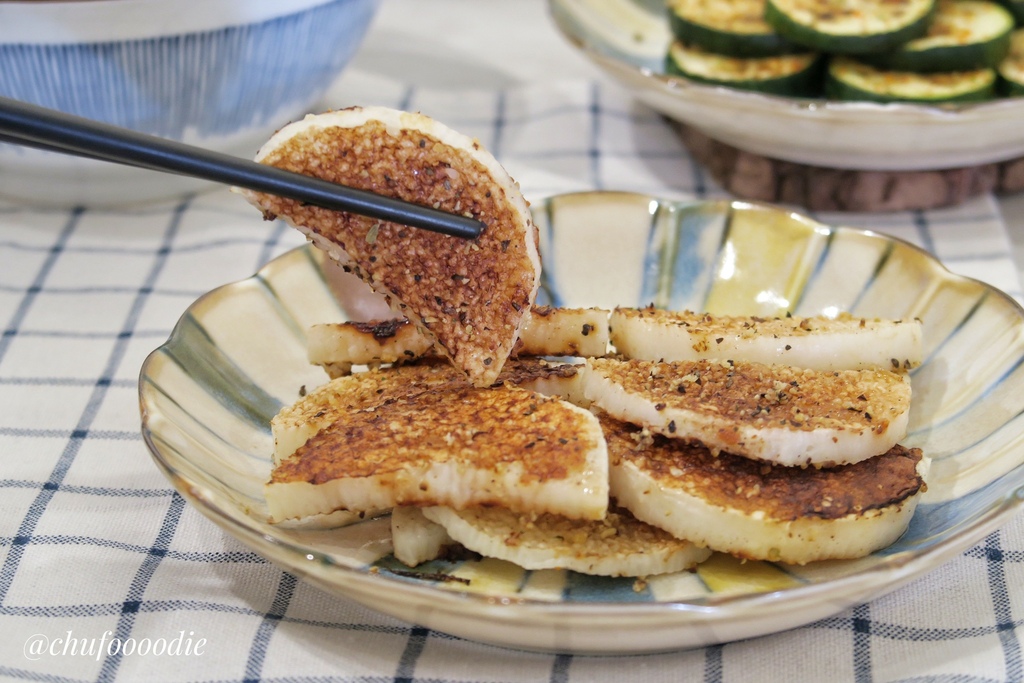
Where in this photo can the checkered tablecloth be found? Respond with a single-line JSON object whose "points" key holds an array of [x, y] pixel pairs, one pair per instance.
{"points": [[96, 547]]}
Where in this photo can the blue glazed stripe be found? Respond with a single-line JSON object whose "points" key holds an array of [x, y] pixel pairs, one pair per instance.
{"points": [[207, 84]]}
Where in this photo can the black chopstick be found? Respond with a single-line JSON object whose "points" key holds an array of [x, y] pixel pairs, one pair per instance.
{"points": [[34, 126]]}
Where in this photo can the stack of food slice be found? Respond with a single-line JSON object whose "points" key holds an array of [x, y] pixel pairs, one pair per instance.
{"points": [[616, 465], [773, 439], [766, 438], [462, 435], [546, 331], [511, 471]]}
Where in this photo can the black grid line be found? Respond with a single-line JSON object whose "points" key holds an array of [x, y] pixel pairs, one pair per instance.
{"points": [[594, 145], [261, 642], [405, 672], [32, 292], [861, 622], [560, 669], [1008, 637], [924, 232], [130, 607], [9, 567], [499, 125], [713, 663]]}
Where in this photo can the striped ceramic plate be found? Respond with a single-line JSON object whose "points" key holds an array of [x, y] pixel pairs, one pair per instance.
{"points": [[238, 355]]}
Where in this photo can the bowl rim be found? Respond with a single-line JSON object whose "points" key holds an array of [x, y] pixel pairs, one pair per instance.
{"points": [[107, 21]]}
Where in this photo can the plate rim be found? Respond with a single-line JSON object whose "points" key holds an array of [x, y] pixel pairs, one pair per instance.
{"points": [[889, 574]]}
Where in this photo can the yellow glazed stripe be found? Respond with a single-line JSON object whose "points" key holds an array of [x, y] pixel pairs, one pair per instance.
{"points": [[724, 574], [764, 263]]}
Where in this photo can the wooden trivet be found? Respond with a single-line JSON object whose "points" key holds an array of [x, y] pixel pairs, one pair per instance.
{"points": [[816, 188]]}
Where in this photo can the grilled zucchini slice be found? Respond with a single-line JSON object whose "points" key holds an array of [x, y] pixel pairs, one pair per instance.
{"points": [[849, 79], [843, 27], [736, 28], [1011, 69], [1016, 8], [797, 75], [963, 35]]}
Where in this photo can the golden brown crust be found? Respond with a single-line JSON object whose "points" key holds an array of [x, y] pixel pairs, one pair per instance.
{"points": [[780, 493], [618, 532], [398, 340], [469, 294], [370, 388], [763, 395], [377, 386], [707, 325], [546, 331], [486, 429], [618, 535]]}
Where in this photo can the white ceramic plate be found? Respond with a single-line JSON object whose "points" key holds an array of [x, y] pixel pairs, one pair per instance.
{"points": [[628, 39], [238, 355]]}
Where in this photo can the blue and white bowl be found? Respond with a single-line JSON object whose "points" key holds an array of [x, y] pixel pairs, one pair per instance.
{"points": [[221, 74]]}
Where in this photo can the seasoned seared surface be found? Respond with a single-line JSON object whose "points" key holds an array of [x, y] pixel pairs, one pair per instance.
{"points": [[844, 342], [619, 533], [546, 331], [485, 427], [753, 488], [421, 434], [760, 395], [497, 430], [618, 545], [371, 388], [707, 326], [469, 294], [366, 389], [523, 371]]}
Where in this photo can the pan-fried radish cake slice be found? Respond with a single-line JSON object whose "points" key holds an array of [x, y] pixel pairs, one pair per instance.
{"points": [[845, 342], [459, 447], [295, 424], [776, 413], [548, 331], [470, 296], [338, 346], [618, 545], [553, 331], [759, 511]]}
